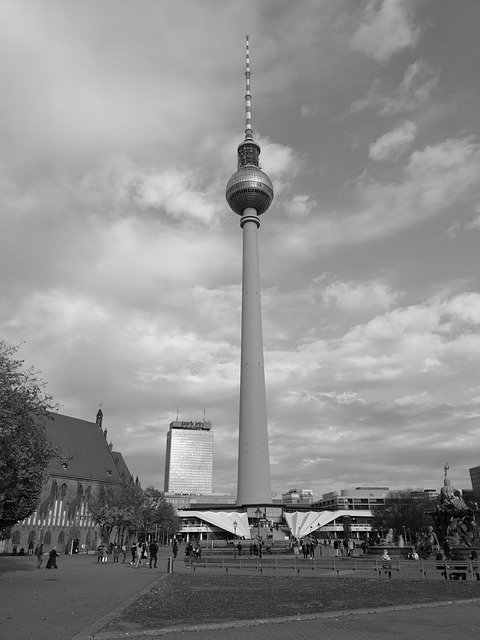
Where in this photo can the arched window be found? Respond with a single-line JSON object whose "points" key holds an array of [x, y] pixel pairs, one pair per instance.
{"points": [[54, 489], [88, 539], [48, 538], [31, 538], [63, 490], [40, 537], [16, 537], [79, 490], [61, 537], [88, 492]]}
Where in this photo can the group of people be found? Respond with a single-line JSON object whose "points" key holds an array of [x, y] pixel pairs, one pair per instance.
{"points": [[52, 558], [343, 547]]}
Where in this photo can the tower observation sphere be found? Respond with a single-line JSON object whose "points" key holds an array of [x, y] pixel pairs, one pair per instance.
{"points": [[249, 188]]}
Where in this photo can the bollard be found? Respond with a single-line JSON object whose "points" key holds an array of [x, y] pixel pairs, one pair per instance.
{"points": [[170, 565]]}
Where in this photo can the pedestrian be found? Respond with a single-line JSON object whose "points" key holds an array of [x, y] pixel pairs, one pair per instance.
{"points": [[351, 546], [39, 555], [344, 547], [239, 548], [175, 549], [138, 556], [99, 553], [143, 559], [335, 548], [115, 553], [124, 553], [52, 559], [153, 548], [133, 551], [104, 553]]}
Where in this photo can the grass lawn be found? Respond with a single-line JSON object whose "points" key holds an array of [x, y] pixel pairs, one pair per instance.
{"points": [[198, 599]]}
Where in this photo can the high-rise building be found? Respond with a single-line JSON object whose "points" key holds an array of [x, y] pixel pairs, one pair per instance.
{"points": [[189, 459], [475, 478], [249, 193]]}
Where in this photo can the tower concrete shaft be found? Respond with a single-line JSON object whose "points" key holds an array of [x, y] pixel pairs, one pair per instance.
{"points": [[253, 455], [249, 194]]}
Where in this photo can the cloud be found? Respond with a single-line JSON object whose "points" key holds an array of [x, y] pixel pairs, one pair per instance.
{"points": [[414, 91], [357, 296], [387, 27], [432, 181], [393, 144], [299, 206]]}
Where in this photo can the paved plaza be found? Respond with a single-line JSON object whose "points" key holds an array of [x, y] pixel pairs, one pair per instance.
{"points": [[78, 599]]}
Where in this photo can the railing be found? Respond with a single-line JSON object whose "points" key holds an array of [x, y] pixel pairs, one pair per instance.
{"points": [[360, 566]]}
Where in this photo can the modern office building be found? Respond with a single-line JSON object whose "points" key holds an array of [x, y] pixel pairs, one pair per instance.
{"points": [[475, 478], [189, 458], [357, 499], [301, 496]]}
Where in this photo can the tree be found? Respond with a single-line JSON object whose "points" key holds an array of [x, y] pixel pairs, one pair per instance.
{"points": [[407, 508], [117, 504], [158, 515], [128, 508], [25, 451]]}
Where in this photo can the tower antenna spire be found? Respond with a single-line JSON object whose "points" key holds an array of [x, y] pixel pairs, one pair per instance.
{"points": [[248, 95]]}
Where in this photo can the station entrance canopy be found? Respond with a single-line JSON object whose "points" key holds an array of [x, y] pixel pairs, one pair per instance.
{"points": [[303, 523], [223, 519]]}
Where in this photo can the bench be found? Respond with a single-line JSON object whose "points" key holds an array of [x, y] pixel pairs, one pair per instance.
{"points": [[386, 567], [459, 570]]}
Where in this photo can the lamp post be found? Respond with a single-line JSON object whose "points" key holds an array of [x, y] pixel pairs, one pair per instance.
{"points": [[235, 529], [258, 513]]}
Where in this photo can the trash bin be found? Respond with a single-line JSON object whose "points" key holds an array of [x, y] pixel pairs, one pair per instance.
{"points": [[170, 565]]}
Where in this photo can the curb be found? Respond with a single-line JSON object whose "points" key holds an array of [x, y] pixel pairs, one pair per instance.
{"points": [[92, 630], [145, 633]]}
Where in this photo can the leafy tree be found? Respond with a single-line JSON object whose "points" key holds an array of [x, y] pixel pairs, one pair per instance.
{"points": [[117, 505], [407, 508], [24, 448], [129, 508], [158, 515]]}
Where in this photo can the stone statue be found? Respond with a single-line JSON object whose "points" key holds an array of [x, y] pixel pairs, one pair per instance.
{"points": [[455, 521]]}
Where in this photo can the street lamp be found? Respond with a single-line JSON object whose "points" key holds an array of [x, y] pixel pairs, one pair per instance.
{"points": [[258, 513], [235, 529]]}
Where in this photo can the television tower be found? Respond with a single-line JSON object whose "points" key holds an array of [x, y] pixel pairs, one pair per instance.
{"points": [[249, 194]]}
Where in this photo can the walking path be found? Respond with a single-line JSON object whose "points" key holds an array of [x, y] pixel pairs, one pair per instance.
{"points": [[58, 603], [78, 599]]}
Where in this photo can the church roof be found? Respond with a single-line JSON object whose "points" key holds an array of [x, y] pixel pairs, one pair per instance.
{"points": [[121, 465], [83, 448]]}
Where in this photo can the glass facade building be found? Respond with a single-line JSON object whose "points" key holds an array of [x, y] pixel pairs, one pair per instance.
{"points": [[189, 458]]}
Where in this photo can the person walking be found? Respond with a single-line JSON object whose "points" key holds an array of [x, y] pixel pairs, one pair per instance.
{"points": [[175, 549], [52, 559], [138, 556], [153, 548], [124, 553], [39, 556], [115, 553], [99, 553], [335, 548], [104, 553], [133, 551]]}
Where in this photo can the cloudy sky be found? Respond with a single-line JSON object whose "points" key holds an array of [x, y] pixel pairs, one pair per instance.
{"points": [[120, 261]]}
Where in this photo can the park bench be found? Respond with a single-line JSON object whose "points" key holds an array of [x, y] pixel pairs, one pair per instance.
{"points": [[458, 570], [386, 567]]}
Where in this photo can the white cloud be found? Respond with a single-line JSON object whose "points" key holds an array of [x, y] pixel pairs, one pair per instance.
{"points": [[356, 296], [393, 144], [414, 91], [387, 27], [299, 206]]}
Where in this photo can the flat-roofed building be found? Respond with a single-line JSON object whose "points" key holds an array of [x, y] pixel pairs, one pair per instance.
{"points": [[189, 458], [475, 478]]}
